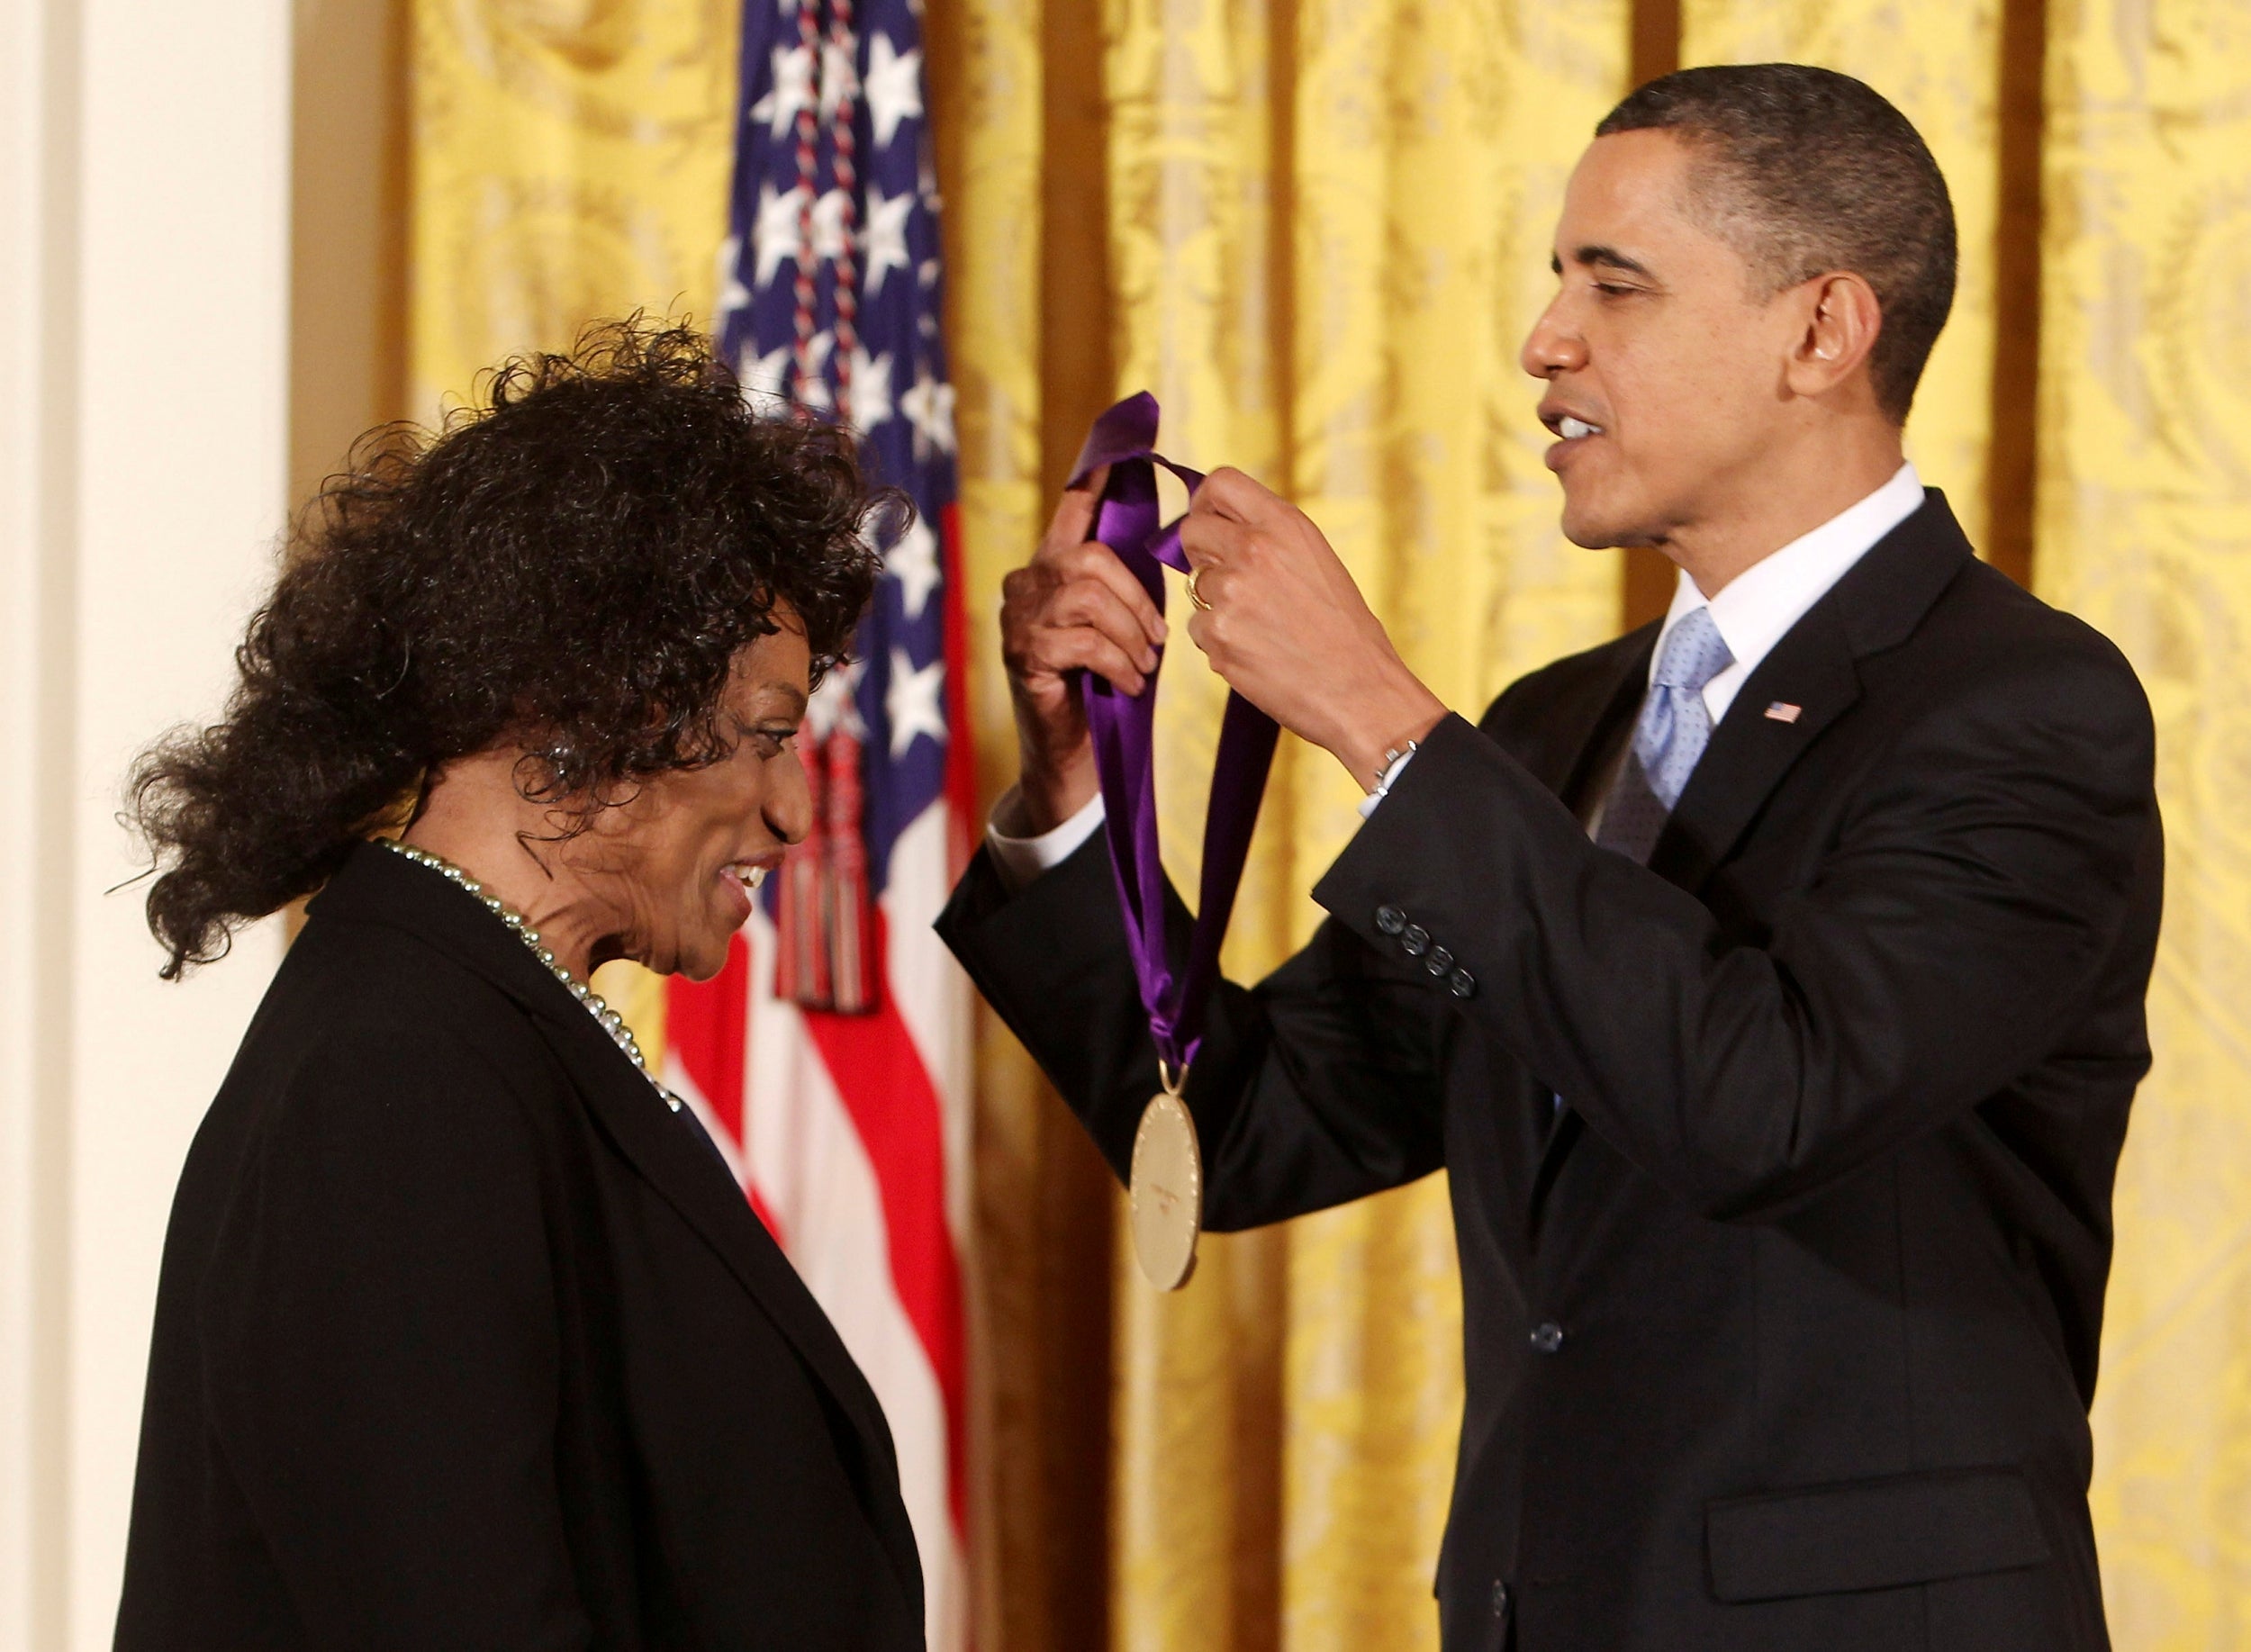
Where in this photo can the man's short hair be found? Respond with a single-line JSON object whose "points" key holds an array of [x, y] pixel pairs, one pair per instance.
{"points": [[1806, 171]]}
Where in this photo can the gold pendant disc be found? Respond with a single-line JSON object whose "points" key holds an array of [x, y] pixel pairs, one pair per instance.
{"points": [[1167, 1192]]}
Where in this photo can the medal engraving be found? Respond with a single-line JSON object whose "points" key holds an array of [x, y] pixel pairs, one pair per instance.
{"points": [[1168, 1192]]}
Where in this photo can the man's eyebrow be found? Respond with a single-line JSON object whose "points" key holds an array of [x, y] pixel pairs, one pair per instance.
{"points": [[1608, 257]]}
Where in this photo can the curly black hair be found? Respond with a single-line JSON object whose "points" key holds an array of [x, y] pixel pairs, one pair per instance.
{"points": [[570, 567]]}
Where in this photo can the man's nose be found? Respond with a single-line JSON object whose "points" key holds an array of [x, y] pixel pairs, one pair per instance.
{"points": [[1553, 345], [789, 805]]}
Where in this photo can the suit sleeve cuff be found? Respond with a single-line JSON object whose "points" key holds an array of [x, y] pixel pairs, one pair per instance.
{"points": [[1399, 883], [1021, 859]]}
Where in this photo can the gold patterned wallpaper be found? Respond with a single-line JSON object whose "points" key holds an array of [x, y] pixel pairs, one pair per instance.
{"points": [[568, 160], [2145, 528], [1317, 229]]}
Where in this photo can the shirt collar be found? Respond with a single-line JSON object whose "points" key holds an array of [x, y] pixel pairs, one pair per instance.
{"points": [[1756, 609]]}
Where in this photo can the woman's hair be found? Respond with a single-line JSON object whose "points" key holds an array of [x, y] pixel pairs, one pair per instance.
{"points": [[570, 568]]}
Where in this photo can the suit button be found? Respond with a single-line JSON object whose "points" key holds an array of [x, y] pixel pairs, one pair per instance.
{"points": [[1547, 1336], [1415, 940], [1461, 983], [1390, 920], [1439, 962], [1500, 1599]]}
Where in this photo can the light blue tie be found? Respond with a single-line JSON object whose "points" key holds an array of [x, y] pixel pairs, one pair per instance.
{"points": [[1673, 730]]}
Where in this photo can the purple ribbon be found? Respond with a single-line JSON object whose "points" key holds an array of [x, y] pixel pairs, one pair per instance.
{"points": [[1127, 521]]}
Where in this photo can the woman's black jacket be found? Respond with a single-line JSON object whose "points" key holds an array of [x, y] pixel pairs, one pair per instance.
{"points": [[465, 1339]]}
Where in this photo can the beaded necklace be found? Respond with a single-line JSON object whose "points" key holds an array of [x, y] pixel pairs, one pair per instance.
{"points": [[609, 1021]]}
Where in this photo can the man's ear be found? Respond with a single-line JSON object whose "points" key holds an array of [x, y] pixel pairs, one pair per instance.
{"points": [[1842, 320]]}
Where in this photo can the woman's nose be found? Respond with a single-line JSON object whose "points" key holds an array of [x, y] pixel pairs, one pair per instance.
{"points": [[789, 802]]}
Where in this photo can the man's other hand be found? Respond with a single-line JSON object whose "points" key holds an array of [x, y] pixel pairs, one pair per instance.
{"points": [[1289, 631], [1073, 606]]}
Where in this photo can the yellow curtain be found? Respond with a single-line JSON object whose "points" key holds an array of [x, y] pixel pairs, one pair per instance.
{"points": [[2145, 520], [1939, 61], [567, 162]]}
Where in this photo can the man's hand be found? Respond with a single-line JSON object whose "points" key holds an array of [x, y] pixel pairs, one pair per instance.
{"points": [[1073, 608], [1288, 630]]}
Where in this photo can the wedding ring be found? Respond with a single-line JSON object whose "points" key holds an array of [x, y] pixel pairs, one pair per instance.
{"points": [[1195, 596]]}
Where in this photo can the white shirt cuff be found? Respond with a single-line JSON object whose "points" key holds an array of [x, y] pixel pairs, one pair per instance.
{"points": [[1383, 787], [1020, 860]]}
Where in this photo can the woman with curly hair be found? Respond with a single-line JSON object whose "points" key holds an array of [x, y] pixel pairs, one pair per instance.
{"points": [[464, 1335]]}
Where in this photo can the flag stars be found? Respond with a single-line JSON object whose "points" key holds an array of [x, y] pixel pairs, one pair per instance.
{"points": [[839, 79], [791, 92], [733, 294], [928, 405], [913, 562], [764, 377], [871, 389], [915, 702], [832, 225], [885, 248], [835, 704], [893, 88], [777, 236]]}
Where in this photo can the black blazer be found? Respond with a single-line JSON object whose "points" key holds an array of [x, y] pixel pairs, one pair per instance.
{"points": [[1782, 1335], [463, 1340]]}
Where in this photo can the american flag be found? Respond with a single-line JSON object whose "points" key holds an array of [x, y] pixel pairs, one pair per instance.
{"points": [[831, 1059]]}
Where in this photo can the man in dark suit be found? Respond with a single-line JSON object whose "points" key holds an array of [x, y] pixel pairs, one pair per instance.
{"points": [[1770, 980]]}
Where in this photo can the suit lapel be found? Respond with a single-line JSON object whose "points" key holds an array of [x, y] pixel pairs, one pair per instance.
{"points": [[1809, 675], [661, 1147]]}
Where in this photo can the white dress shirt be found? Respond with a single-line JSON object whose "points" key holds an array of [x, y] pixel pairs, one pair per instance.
{"points": [[1756, 609], [1022, 859], [1753, 612]]}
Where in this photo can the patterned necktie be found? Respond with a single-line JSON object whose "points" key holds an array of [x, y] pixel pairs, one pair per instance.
{"points": [[1670, 736]]}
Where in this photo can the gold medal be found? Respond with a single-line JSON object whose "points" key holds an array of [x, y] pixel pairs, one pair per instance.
{"points": [[1167, 1190], [1167, 1176]]}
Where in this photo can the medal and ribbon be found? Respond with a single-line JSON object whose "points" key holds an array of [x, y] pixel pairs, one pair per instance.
{"points": [[1167, 1179]]}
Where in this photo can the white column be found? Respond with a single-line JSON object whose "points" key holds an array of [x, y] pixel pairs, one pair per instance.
{"points": [[144, 263]]}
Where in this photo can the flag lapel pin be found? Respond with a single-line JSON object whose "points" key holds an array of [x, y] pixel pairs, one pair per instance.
{"points": [[1783, 711]]}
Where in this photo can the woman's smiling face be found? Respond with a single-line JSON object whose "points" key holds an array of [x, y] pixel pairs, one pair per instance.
{"points": [[679, 858]]}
